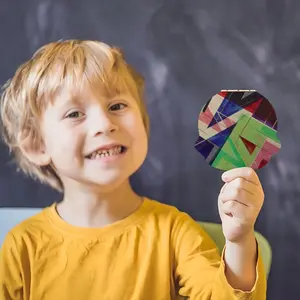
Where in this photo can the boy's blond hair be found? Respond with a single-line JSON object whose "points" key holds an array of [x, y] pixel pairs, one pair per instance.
{"points": [[55, 66]]}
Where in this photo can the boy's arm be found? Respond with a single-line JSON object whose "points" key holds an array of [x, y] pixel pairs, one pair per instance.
{"points": [[11, 285], [241, 261], [200, 271]]}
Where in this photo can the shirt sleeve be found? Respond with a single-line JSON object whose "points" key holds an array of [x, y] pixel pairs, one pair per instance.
{"points": [[200, 270], [11, 287]]}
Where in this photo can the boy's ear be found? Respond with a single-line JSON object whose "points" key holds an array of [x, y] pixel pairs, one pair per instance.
{"points": [[35, 153]]}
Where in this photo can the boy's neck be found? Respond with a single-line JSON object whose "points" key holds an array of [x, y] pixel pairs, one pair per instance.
{"points": [[90, 209]]}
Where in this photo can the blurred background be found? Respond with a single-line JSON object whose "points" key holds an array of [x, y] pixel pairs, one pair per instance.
{"points": [[187, 51]]}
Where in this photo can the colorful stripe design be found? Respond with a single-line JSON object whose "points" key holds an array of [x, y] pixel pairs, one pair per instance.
{"points": [[237, 129]]}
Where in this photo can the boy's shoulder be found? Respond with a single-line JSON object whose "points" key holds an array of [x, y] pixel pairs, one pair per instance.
{"points": [[26, 226], [172, 220], [159, 207], [166, 211]]}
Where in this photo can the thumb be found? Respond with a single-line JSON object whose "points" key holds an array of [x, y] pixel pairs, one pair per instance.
{"points": [[226, 177]]}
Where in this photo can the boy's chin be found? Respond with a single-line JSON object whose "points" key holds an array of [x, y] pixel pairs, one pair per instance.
{"points": [[108, 182]]}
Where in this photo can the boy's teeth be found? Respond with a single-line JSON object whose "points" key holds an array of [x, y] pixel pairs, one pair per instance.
{"points": [[108, 152]]}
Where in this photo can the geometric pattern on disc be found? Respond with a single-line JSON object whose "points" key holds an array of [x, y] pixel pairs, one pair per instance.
{"points": [[237, 128]]}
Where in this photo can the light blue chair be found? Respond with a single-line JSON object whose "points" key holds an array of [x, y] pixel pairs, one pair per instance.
{"points": [[9, 217]]}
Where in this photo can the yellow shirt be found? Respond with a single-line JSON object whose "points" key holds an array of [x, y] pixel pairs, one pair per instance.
{"points": [[151, 254]]}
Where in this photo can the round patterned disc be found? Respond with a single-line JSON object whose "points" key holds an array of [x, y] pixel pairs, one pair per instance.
{"points": [[237, 128]]}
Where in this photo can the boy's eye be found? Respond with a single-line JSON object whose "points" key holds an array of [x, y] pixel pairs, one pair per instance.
{"points": [[118, 106], [74, 114]]}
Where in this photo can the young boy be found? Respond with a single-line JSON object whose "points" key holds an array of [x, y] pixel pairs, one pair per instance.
{"points": [[74, 117]]}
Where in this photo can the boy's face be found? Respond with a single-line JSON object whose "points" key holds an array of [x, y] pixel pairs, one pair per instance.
{"points": [[73, 128]]}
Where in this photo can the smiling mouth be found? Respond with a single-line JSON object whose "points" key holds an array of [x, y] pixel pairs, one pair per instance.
{"points": [[114, 151]]}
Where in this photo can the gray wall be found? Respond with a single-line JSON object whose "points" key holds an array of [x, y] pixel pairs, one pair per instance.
{"points": [[188, 51]]}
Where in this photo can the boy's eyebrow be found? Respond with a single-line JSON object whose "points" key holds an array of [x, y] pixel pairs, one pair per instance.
{"points": [[121, 96], [63, 101]]}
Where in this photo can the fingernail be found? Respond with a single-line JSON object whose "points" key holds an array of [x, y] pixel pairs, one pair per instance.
{"points": [[224, 176]]}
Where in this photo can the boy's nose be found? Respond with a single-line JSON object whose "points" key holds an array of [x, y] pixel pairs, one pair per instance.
{"points": [[101, 123]]}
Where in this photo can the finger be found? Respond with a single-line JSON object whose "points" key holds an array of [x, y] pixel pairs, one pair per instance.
{"points": [[238, 195], [241, 183], [223, 188], [234, 209], [245, 172]]}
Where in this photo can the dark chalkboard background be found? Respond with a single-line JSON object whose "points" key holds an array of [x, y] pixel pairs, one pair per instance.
{"points": [[188, 51]]}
